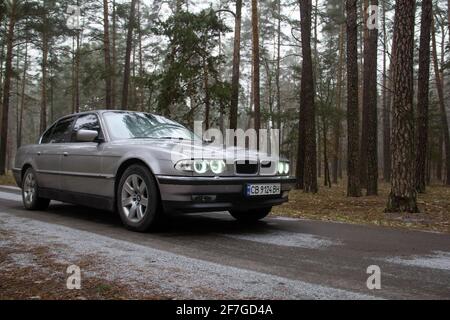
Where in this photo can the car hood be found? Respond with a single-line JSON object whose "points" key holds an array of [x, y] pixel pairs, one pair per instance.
{"points": [[183, 149]]}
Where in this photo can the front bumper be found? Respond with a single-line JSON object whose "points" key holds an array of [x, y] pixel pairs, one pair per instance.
{"points": [[200, 194]]}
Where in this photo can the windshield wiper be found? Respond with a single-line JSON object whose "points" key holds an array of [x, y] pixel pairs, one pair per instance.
{"points": [[172, 138]]}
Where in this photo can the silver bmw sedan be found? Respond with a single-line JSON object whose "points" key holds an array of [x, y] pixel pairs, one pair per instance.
{"points": [[144, 166]]}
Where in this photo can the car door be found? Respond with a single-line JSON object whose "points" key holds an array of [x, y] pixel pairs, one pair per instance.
{"points": [[81, 163], [49, 153]]}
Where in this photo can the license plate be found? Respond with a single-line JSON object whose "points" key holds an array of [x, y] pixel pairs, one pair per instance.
{"points": [[255, 190]]}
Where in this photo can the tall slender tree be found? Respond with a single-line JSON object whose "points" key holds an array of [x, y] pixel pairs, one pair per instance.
{"points": [[44, 65], [7, 84], [443, 112], [129, 49], [114, 55], [256, 69], [236, 67], [338, 123], [307, 93], [354, 188], [107, 55], [387, 101], [22, 97], [370, 98], [423, 94], [403, 196]]}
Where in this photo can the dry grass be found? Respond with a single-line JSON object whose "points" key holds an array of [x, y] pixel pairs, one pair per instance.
{"points": [[333, 205], [7, 180]]}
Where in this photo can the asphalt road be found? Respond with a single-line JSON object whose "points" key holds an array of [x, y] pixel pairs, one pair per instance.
{"points": [[212, 256]]}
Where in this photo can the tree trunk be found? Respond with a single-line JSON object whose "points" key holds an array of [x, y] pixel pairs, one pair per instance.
{"points": [[338, 123], [7, 87], [2, 58], [106, 48], [366, 61], [439, 159], [22, 99], [403, 196], [371, 67], [326, 165], [207, 96], [354, 188], [114, 57], [236, 67], [387, 101], [278, 75], [77, 73], [443, 113], [127, 68], [423, 94], [307, 100], [141, 61], [43, 122], [256, 71]]}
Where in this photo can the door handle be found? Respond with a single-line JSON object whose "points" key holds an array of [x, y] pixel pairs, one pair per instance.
{"points": [[65, 154], [39, 153]]}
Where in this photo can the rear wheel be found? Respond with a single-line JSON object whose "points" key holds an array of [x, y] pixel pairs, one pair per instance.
{"points": [[137, 199], [250, 216], [30, 192]]}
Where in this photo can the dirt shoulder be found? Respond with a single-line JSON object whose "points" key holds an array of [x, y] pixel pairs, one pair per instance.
{"points": [[333, 205], [32, 272]]}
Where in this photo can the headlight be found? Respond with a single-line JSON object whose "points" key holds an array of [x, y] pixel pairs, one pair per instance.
{"points": [[283, 168], [201, 166], [280, 167], [185, 165], [287, 168], [217, 166]]}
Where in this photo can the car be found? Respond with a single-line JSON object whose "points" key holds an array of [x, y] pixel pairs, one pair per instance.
{"points": [[142, 166]]}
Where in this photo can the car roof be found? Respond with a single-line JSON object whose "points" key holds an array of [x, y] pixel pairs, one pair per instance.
{"points": [[96, 111]]}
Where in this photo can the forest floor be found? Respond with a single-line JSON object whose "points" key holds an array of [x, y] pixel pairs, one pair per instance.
{"points": [[7, 180], [331, 204]]}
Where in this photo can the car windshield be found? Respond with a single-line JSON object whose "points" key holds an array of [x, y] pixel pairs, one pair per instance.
{"points": [[136, 125]]}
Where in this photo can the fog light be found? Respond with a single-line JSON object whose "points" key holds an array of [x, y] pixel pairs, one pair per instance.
{"points": [[204, 198]]}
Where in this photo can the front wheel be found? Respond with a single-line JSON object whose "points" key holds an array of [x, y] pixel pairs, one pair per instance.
{"points": [[137, 199], [251, 215], [30, 193]]}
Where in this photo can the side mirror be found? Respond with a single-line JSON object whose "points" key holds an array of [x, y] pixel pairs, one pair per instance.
{"points": [[86, 135]]}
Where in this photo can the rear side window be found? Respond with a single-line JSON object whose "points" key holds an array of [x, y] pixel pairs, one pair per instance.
{"points": [[86, 122], [62, 130]]}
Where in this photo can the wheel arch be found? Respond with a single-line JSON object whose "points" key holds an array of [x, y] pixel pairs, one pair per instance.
{"points": [[25, 168]]}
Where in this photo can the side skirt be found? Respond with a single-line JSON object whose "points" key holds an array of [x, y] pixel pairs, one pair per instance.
{"points": [[88, 200]]}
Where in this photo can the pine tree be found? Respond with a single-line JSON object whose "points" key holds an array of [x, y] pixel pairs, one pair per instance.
{"points": [[423, 94], [403, 196], [354, 188]]}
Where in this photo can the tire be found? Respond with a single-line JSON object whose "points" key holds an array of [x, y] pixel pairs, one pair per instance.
{"points": [[138, 199], [251, 216], [30, 192]]}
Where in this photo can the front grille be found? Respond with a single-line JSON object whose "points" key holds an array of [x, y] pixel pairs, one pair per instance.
{"points": [[247, 167]]}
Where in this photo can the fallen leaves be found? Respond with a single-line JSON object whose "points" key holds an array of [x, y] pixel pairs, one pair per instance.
{"points": [[333, 205]]}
